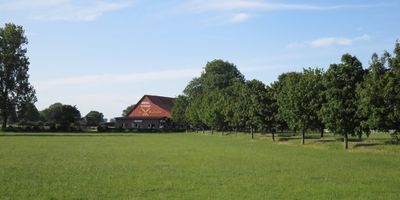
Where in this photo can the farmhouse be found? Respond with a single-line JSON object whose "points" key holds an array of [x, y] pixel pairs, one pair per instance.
{"points": [[151, 112]]}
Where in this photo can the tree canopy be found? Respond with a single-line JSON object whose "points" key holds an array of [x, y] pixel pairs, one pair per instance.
{"points": [[15, 89]]}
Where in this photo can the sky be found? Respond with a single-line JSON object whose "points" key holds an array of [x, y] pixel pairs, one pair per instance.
{"points": [[106, 54]]}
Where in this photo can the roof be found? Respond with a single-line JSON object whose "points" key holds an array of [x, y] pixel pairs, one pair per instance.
{"points": [[165, 103], [139, 118]]}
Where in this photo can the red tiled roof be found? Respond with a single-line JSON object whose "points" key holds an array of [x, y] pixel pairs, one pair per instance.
{"points": [[164, 102]]}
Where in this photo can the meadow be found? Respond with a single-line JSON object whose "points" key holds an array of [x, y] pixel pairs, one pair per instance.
{"points": [[195, 166]]}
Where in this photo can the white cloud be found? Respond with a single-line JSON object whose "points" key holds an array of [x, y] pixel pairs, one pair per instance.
{"points": [[239, 17], [329, 41], [245, 8], [209, 5], [64, 10]]}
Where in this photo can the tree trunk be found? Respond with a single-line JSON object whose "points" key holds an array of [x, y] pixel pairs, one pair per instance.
{"points": [[303, 136], [273, 136], [346, 141], [212, 131], [359, 136], [322, 132], [4, 126], [252, 133]]}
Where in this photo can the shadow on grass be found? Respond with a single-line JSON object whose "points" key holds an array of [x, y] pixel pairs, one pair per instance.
{"points": [[325, 140], [392, 142], [366, 145], [284, 139]]}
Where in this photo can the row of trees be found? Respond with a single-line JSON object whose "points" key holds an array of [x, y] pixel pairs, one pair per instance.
{"points": [[345, 99], [57, 116]]}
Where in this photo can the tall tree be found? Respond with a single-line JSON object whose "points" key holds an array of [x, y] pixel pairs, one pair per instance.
{"points": [[28, 113], [15, 89], [300, 99], [340, 110], [255, 101], [62, 116], [311, 89], [289, 100], [392, 92], [234, 106], [94, 118], [49, 113], [67, 116], [372, 108], [208, 96], [179, 110], [194, 91]]}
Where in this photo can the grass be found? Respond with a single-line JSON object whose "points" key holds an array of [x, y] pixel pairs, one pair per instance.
{"points": [[193, 166]]}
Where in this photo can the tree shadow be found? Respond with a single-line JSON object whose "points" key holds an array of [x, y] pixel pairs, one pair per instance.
{"points": [[392, 142], [325, 140], [285, 139], [366, 145]]}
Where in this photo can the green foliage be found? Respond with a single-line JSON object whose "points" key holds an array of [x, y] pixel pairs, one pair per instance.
{"points": [[392, 90], [28, 113], [62, 116], [288, 99], [94, 118], [341, 80], [261, 106], [15, 88], [372, 108], [214, 97], [127, 110], [179, 110]]}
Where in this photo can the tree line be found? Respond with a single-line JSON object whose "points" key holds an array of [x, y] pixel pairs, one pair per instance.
{"points": [[345, 99]]}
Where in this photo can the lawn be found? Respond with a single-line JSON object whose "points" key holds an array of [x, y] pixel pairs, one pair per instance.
{"points": [[193, 166]]}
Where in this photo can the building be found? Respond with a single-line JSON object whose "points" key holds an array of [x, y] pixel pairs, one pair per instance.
{"points": [[151, 112]]}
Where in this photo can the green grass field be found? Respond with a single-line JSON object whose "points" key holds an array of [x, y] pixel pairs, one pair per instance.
{"points": [[194, 166]]}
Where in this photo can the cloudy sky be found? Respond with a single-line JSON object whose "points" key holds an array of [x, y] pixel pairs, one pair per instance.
{"points": [[105, 54]]}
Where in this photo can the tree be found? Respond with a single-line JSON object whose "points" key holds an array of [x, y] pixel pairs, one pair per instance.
{"points": [[49, 113], [289, 100], [311, 98], [372, 108], [68, 116], [62, 116], [127, 110], [193, 92], [28, 113], [179, 110], [392, 92], [15, 89], [340, 110], [212, 97], [234, 106], [94, 118], [255, 98], [218, 83], [300, 100], [261, 107]]}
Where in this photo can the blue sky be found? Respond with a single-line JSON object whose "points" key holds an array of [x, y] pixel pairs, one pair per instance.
{"points": [[104, 55]]}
